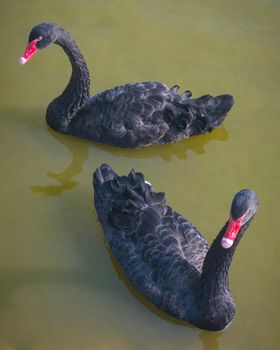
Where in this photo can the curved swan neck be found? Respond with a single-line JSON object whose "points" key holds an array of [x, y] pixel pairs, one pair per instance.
{"points": [[214, 297], [63, 108], [218, 259], [214, 277]]}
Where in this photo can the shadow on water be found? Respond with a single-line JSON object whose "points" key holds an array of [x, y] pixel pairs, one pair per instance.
{"points": [[210, 340], [79, 153], [80, 148], [167, 151]]}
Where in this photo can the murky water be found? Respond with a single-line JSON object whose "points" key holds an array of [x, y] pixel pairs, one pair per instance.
{"points": [[60, 287]]}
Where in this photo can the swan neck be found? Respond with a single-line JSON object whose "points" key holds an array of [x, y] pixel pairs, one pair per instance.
{"points": [[214, 281], [218, 259], [63, 108]]}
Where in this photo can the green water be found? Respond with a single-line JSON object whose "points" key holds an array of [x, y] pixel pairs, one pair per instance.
{"points": [[60, 287]]}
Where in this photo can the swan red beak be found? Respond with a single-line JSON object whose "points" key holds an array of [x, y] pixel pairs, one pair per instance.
{"points": [[29, 52], [231, 232]]}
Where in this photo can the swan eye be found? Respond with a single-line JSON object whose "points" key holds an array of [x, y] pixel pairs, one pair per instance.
{"points": [[39, 38]]}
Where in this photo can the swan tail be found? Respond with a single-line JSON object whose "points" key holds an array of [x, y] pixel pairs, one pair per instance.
{"points": [[103, 174], [124, 198], [211, 112], [198, 115]]}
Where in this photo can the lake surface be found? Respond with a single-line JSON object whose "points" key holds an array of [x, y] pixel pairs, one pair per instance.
{"points": [[60, 286]]}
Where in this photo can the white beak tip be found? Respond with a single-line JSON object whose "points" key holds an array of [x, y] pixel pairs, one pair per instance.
{"points": [[227, 243], [22, 60]]}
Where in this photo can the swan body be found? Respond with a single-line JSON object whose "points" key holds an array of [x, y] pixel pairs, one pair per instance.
{"points": [[163, 255], [132, 115]]}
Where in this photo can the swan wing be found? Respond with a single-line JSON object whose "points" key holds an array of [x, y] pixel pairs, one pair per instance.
{"points": [[147, 238], [140, 114], [126, 115]]}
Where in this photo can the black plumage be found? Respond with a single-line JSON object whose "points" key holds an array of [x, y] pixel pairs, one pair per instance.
{"points": [[131, 115], [163, 255]]}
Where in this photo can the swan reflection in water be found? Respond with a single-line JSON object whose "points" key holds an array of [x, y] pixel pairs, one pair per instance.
{"points": [[80, 150], [65, 178]]}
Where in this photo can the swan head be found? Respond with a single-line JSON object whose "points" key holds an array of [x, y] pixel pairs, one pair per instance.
{"points": [[243, 208], [40, 37]]}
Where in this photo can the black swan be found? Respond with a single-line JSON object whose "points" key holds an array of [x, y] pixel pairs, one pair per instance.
{"points": [[132, 115], [163, 255]]}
